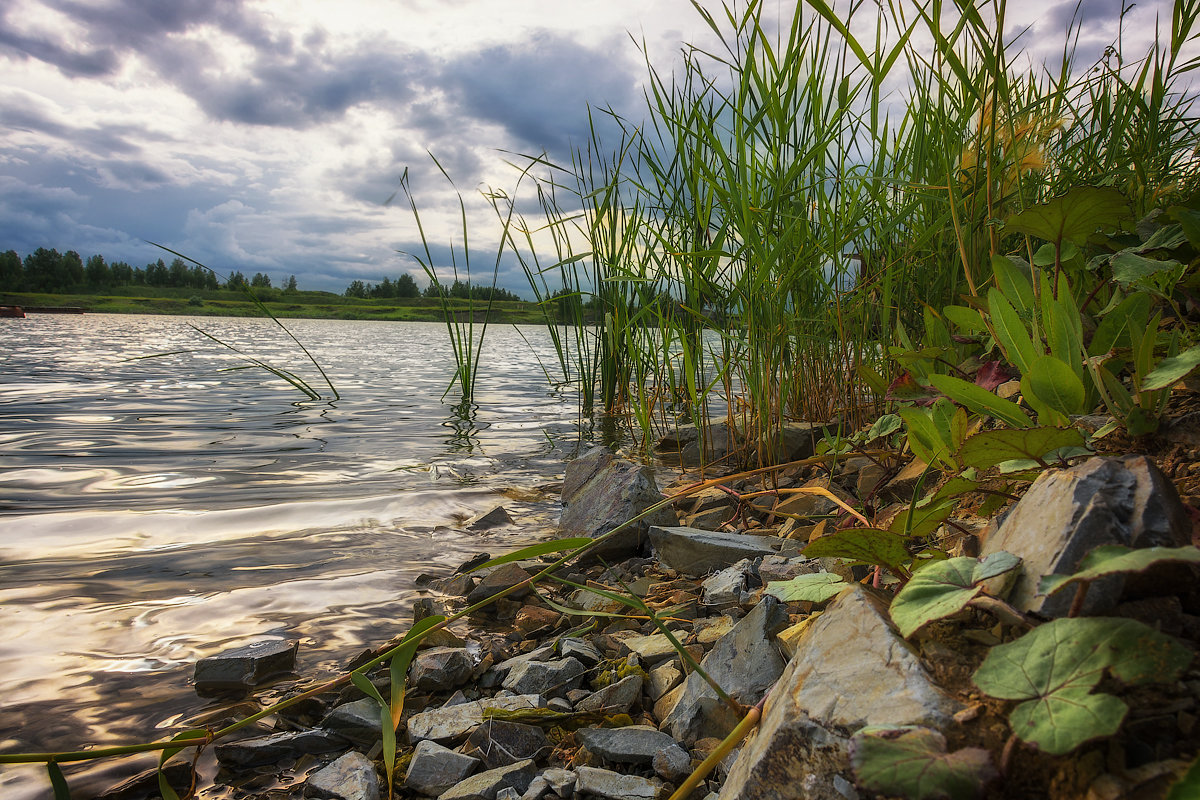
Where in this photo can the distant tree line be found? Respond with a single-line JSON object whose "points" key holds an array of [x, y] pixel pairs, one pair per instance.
{"points": [[406, 287], [58, 273]]}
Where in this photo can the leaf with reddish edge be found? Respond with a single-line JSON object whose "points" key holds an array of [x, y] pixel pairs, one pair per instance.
{"points": [[991, 375], [905, 387], [912, 761]]}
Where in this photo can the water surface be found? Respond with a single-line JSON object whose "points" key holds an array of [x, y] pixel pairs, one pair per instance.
{"points": [[157, 510]]}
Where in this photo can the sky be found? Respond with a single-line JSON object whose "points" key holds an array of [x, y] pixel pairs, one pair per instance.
{"points": [[268, 135]]}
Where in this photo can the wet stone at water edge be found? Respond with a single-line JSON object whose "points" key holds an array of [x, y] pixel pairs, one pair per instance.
{"points": [[245, 666]]}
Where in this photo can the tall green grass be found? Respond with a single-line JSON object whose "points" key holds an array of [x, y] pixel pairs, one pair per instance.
{"points": [[806, 193]]}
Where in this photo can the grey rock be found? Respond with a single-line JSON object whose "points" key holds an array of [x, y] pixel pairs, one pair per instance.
{"points": [[502, 577], [245, 666], [486, 785], [696, 552], [358, 721], [853, 670], [633, 744], [1068, 513], [446, 724], [663, 679], [745, 662], [509, 793], [454, 585], [545, 677], [560, 704], [276, 746], [615, 786], [724, 588], [581, 651], [351, 777], [561, 781], [441, 668], [435, 768], [672, 764], [600, 492], [498, 743], [616, 698], [493, 519], [652, 649], [690, 446]]}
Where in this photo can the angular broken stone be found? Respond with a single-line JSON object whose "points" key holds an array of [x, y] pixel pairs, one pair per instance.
{"points": [[696, 552], [486, 785], [435, 768], [853, 670], [499, 579], [276, 746], [615, 786], [664, 678], [616, 698], [441, 668], [351, 777], [357, 721], [724, 589], [545, 677], [498, 743], [652, 649], [632, 744], [246, 666], [672, 764], [493, 519], [600, 492], [452, 722], [1067, 513], [745, 663]]}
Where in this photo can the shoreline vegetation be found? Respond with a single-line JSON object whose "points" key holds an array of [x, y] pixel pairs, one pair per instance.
{"points": [[300, 305]]}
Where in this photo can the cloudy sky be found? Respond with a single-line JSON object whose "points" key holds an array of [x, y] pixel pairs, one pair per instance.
{"points": [[266, 135]]}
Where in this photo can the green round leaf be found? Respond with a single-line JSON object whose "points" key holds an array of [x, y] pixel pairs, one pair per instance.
{"points": [[989, 448], [944, 588], [1115, 558], [814, 588], [869, 545], [913, 762], [1072, 216], [1054, 668]]}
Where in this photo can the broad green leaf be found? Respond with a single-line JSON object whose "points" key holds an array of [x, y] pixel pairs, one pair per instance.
{"points": [[869, 545], [1064, 330], [923, 437], [1128, 267], [1053, 668], [164, 788], [921, 520], [535, 550], [965, 319], [1189, 221], [1072, 217], [1114, 328], [1055, 383], [58, 781], [1012, 281], [1173, 369], [1112, 559], [814, 588], [945, 587], [886, 425], [1044, 257], [1046, 413], [989, 448], [1010, 331], [980, 400], [912, 762], [1187, 787]]}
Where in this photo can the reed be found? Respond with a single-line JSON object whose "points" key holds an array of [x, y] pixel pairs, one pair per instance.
{"points": [[782, 215]]}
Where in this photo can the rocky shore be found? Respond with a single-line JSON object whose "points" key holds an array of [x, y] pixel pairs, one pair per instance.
{"points": [[566, 691]]}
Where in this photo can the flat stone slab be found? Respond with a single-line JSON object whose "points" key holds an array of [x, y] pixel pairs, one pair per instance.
{"points": [[616, 698], [615, 786], [269, 749], [498, 743], [696, 552], [453, 722], [357, 720], [633, 744], [246, 666], [486, 785]]}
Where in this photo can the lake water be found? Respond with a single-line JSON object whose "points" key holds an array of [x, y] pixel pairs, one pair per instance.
{"points": [[154, 511]]}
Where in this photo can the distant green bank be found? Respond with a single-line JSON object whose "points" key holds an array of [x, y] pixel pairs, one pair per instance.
{"points": [[308, 305]]}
